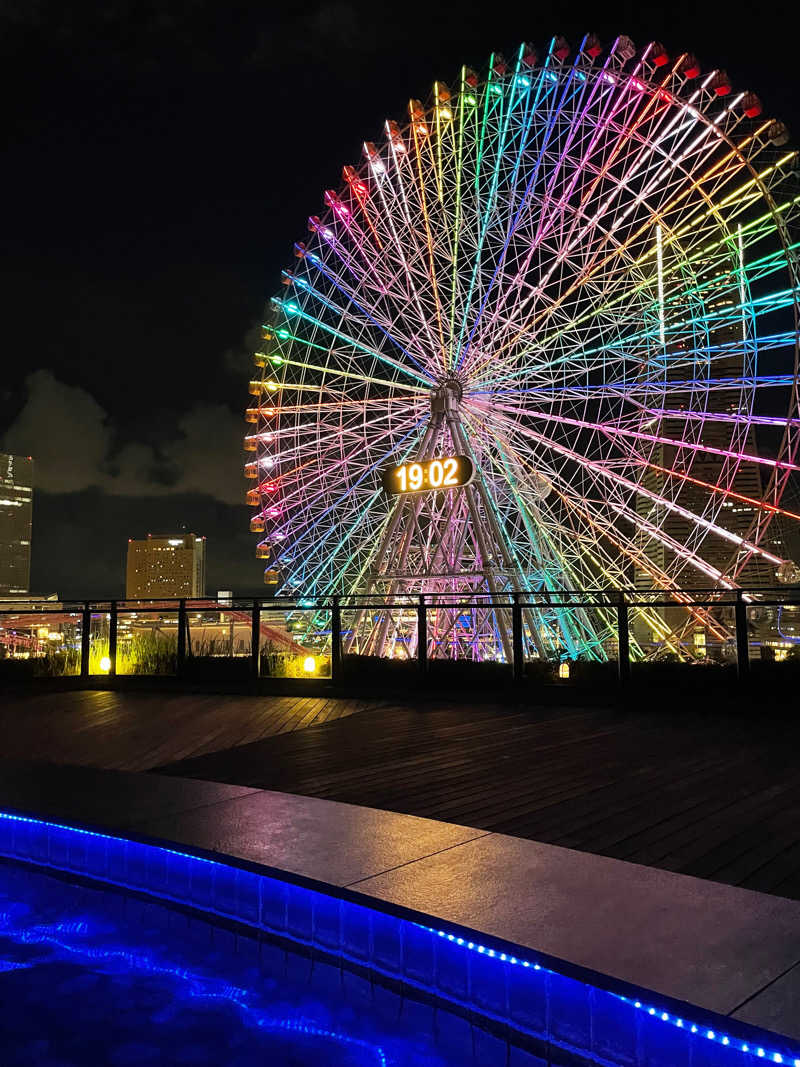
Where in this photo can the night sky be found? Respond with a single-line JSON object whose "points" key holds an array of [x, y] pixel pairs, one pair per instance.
{"points": [[158, 161]]}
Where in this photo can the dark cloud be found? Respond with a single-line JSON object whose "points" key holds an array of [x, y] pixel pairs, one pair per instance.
{"points": [[76, 447]]}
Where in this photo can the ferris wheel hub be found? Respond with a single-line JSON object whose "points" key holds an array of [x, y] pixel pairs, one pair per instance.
{"points": [[447, 395]]}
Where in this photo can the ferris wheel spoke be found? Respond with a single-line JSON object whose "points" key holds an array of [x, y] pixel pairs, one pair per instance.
{"points": [[597, 263], [361, 317], [548, 93], [578, 356], [363, 551], [542, 223], [630, 389], [421, 140], [732, 161], [399, 246], [571, 239], [752, 231], [730, 494], [593, 521], [606, 531], [639, 435], [297, 490], [516, 216], [347, 443], [337, 500], [292, 310], [550, 541], [494, 102], [333, 371], [466, 115], [360, 199], [342, 230], [385, 323], [621, 481], [373, 273], [720, 416]]}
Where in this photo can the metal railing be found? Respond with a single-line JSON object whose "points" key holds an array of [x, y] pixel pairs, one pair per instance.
{"points": [[95, 626]]}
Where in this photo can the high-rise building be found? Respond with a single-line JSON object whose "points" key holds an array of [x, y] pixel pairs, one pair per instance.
{"points": [[166, 565], [16, 508], [694, 472]]}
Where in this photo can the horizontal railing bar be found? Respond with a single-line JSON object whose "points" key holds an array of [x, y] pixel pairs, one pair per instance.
{"points": [[579, 599]]}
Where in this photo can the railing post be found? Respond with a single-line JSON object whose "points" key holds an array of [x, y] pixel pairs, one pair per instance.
{"points": [[623, 641], [182, 621], [255, 641], [112, 638], [516, 640], [336, 640], [86, 638], [742, 641], [422, 635]]}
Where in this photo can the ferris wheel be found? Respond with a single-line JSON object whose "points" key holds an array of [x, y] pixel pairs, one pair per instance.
{"points": [[544, 337]]}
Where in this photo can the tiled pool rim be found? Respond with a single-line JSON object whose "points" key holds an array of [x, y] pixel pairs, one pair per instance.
{"points": [[582, 1016]]}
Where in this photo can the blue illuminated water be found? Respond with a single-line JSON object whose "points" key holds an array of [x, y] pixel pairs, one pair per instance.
{"points": [[95, 976]]}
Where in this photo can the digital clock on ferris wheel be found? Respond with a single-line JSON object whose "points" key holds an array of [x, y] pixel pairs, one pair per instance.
{"points": [[424, 475]]}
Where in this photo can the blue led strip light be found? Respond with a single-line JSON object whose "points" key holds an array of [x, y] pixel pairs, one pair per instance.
{"points": [[735, 1044]]}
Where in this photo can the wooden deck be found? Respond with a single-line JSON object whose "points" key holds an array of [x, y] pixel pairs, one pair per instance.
{"points": [[700, 791], [138, 731]]}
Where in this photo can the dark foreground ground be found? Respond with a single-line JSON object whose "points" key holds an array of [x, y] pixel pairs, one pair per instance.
{"points": [[698, 788], [702, 792]]}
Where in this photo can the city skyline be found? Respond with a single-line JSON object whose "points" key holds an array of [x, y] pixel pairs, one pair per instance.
{"points": [[155, 271]]}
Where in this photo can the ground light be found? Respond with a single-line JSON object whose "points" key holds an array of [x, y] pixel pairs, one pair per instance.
{"points": [[309, 664], [105, 664]]}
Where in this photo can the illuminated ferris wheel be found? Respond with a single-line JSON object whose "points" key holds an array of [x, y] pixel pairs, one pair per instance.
{"points": [[544, 337]]}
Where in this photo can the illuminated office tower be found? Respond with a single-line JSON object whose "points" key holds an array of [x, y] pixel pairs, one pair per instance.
{"points": [[166, 565], [695, 470], [684, 475], [16, 507]]}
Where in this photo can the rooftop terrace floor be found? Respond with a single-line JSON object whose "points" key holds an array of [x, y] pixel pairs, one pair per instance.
{"points": [[701, 790]]}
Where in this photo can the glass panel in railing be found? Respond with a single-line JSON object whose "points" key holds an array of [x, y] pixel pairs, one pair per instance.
{"points": [[99, 649], [39, 643], [147, 642], [295, 640], [218, 639]]}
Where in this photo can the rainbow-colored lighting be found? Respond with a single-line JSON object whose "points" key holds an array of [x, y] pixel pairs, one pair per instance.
{"points": [[595, 250]]}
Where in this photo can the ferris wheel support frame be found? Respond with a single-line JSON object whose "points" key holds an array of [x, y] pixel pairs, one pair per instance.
{"points": [[489, 536]]}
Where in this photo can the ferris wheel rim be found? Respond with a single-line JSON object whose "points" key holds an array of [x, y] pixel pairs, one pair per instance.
{"points": [[427, 379]]}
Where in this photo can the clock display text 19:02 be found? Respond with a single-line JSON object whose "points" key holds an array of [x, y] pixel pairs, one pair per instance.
{"points": [[444, 472]]}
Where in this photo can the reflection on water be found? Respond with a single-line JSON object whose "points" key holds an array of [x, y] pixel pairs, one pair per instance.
{"points": [[92, 976]]}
